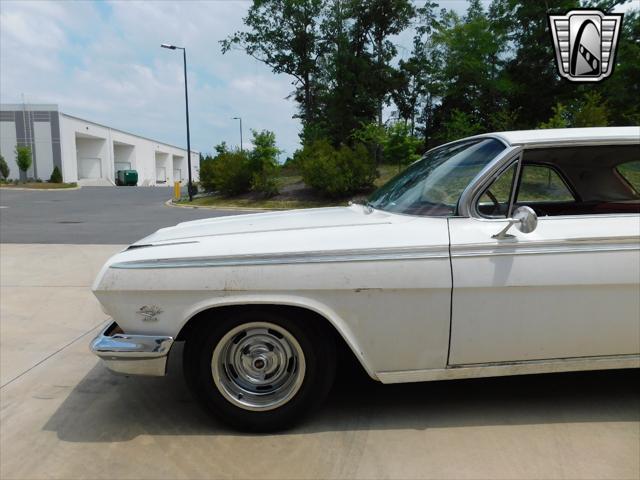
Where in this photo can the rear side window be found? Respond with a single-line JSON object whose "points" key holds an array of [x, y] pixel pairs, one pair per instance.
{"points": [[630, 171], [581, 180], [541, 183]]}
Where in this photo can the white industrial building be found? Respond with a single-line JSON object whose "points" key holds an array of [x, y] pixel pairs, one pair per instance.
{"points": [[86, 152]]}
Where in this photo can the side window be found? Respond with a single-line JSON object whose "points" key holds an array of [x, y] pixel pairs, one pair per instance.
{"points": [[541, 183], [494, 202], [581, 180], [630, 171]]}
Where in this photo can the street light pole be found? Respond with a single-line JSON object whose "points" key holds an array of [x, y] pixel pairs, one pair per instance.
{"points": [[186, 103], [240, 118]]}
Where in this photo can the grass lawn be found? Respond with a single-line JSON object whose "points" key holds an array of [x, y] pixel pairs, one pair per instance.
{"points": [[39, 185]]}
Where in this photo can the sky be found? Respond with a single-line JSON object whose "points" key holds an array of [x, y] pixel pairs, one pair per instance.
{"points": [[102, 61]]}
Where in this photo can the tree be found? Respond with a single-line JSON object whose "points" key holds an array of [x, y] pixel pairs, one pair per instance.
{"points": [[221, 148], [416, 84], [23, 158], [377, 21], [622, 90], [591, 112], [458, 125], [472, 50], [263, 161], [373, 137], [559, 119], [4, 168], [285, 35], [400, 147], [492, 68], [531, 73], [345, 100]]}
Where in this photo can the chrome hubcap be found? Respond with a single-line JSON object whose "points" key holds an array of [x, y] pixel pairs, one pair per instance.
{"points": [[258, 366]]}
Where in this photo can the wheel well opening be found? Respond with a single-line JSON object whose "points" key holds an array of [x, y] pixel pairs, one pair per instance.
{"points": [[346, 357]]}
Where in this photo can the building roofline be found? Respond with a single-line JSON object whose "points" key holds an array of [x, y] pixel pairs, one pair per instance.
{"points": [[18, 107], [52, 107], [127, 133]]}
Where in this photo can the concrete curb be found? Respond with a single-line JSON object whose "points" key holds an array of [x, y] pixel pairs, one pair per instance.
{"points": [[20, 189], [169, 203]]}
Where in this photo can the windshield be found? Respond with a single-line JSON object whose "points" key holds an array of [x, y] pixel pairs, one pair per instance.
{"points": [[434, 184]]}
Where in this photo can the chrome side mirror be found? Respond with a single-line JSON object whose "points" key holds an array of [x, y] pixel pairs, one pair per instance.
{"points": [[525, 220]]}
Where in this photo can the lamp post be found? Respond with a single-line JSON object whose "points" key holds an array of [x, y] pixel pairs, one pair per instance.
{"points": [[186, 103], [240, 118]]}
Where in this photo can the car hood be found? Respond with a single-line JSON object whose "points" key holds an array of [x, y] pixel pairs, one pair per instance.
{"points": [[282, 222], [297, 236]]}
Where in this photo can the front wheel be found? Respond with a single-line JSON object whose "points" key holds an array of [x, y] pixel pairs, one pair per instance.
{"points": [[260, 371]]}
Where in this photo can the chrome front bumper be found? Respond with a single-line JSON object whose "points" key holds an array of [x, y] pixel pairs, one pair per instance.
{"points": [[132, 354]]}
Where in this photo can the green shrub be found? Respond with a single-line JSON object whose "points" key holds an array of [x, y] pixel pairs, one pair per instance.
{"points": [[4, 168], [236, 172], [56, 176], [459, 125], [559, 119], [23, 158], [337, 172], [591, 112], [263, 161], [400, 147], [228, 173], [391, 145], [265, 181]]}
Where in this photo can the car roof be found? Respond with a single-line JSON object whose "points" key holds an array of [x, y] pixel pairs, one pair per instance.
{"points": [[568, 135]]}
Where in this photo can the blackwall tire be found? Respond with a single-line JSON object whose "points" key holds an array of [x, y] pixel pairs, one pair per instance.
{"points": [[260, 371]]}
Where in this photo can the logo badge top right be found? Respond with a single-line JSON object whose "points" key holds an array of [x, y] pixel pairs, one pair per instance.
{"points": [[585, 42]]}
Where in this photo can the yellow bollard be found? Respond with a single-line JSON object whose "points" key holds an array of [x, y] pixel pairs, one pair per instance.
{"points": [[176, 190]]}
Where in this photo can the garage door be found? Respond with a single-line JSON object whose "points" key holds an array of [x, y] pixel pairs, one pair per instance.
{"points": [[161, 174], [122, 166], [177, 175], [89, 168]]}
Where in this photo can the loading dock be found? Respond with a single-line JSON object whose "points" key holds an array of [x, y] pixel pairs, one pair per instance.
{"points": [[86, 152]]}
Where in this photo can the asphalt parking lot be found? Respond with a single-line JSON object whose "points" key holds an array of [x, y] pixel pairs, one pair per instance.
{"points": [[63, 415], [90, 215]]}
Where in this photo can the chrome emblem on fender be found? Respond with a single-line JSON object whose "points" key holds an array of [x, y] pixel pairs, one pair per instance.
{"points": [[585, 42], [149, 312]]}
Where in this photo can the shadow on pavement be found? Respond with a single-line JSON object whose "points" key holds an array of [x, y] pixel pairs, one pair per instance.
{"points": [[108, 408]]}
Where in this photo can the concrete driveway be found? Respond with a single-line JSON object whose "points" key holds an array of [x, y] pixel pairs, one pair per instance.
{"points": [[90, 215], [62, 415]]}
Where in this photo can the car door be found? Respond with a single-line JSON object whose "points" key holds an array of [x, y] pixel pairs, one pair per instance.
{"points": [[568, 289]]}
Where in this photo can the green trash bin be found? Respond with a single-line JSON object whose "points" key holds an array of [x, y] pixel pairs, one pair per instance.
{"points": [[127, 178]]}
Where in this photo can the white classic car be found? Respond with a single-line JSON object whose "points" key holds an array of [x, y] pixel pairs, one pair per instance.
{"points": [[500, 254]]}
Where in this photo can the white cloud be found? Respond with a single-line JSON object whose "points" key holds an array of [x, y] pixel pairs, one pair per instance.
{"points": [[106, 64]]}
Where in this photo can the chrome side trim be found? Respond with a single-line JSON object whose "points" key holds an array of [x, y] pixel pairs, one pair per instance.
{"points": [[367, 255], [534, 248], [514, 368], [132, 354]]}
